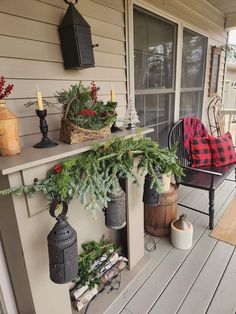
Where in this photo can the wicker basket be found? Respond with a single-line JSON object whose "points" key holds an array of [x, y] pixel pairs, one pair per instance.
{"points": [[72, 134]]}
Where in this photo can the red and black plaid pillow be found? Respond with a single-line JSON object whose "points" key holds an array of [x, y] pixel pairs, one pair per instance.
{"points": [[200, 152], [222, 149]]}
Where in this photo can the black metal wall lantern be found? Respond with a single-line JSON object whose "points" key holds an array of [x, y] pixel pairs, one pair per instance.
{"points": [[62, 248], [76, 40]]}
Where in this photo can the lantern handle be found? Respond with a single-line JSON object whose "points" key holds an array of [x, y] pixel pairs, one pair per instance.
{"points": [[70, 2], [53, 207]]}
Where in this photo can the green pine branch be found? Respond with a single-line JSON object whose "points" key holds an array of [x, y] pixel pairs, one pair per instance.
{"points": [[93, 174]]}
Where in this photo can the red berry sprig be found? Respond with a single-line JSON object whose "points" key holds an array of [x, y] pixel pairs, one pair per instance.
{"points": [[88, 112], [57, 168], [5, 91]]}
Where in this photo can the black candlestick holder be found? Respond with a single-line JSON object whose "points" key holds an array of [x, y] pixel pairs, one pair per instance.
{"points": [[115, 128], [45, 142]]}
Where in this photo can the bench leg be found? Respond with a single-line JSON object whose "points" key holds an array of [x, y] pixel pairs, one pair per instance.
{"points": [[211, 209]]}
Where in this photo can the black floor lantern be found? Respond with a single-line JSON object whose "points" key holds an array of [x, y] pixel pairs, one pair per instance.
{"points": [[115, 213], [62, 248], [76, 40]]}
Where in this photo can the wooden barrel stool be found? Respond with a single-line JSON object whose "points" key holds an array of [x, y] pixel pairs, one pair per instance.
{"points": [[158, 218]]}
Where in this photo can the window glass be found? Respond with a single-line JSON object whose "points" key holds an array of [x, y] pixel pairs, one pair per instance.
{"points": [[156, 111], [154, 70], [193, 73]]}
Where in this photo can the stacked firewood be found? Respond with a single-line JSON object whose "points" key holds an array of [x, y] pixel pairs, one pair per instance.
{"points": [[104, 270]]}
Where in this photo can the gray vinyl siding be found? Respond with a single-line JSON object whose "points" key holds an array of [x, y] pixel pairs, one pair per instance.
{"points": [[30, 52], [30, 55]]}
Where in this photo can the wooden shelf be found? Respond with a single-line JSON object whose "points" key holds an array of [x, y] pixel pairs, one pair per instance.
{"points": [[31, 157]]}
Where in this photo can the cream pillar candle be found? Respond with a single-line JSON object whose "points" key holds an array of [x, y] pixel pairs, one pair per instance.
{"points": [[113, 98], [39, 100]]}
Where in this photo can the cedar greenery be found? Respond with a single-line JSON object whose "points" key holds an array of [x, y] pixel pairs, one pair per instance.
{"points": [[91, 251], [81, 107], [91, 175]]}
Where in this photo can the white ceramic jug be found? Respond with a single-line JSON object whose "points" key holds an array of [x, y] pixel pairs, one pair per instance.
{"points": [[181, 233]]}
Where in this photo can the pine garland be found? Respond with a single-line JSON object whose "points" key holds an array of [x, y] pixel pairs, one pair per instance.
{"points": [[93, 174]]}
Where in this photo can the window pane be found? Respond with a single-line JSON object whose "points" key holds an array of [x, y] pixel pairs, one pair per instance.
{"points": [[154, 41], [193, 73], [139, 106], [161, 38], [154, 70], [193, 59], [156, 110], [140, 30], [191, 104], [140, 66]]}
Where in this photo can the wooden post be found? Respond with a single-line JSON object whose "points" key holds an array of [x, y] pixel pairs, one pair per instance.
{"points": [[135, 221]]}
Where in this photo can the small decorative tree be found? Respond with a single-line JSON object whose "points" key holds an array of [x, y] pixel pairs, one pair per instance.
{"points": [[131, 115]]}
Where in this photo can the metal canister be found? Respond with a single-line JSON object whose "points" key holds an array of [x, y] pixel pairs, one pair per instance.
{"points": [[181, 233], [150, 195], [115, 213]]}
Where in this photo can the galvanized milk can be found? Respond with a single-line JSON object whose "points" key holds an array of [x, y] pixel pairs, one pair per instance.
{"points": [[115, 213]]}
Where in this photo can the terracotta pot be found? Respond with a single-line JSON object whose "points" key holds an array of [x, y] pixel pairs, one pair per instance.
{"points": [[9, 132]]}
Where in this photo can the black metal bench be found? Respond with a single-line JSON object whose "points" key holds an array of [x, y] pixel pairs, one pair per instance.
{"points": [[207, 178]]}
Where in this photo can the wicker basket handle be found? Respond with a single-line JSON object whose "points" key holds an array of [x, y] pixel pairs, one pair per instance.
{"points": [[68, 106]]}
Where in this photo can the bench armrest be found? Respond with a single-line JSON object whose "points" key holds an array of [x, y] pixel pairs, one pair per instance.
{"points": [[203, 171]]}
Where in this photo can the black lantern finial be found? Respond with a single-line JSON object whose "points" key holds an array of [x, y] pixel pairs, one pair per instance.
{"points": [[76, 39]]}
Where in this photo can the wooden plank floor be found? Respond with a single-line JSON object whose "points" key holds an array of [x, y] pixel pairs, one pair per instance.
{"points": [[199, 280]]}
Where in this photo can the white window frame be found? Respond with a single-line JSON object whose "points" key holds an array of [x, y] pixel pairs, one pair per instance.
{"points": [[129, 8]]}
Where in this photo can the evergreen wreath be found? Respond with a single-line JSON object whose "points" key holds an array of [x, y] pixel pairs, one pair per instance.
{"points": [[91, 175]]}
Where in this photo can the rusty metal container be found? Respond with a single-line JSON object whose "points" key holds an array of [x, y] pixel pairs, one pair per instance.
{"points": [[158, 218]]}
